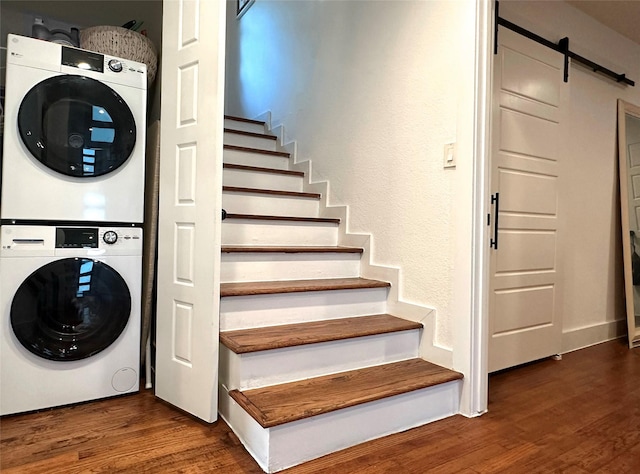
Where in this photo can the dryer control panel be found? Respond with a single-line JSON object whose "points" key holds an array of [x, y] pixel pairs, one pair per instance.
{"points": [[54, 57]]}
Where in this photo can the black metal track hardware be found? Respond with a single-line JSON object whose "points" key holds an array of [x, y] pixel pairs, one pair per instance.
{"points": [[561, 47]]}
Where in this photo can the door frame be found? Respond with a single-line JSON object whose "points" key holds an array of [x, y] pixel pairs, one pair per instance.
{"points": [[475, 393]]}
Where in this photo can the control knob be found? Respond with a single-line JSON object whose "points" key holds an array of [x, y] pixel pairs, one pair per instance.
{"points": [[110, 237], [115, 65]]}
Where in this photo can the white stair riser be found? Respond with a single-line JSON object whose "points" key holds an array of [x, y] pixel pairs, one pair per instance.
{"points": [[269, 205], [261, 180], [293, 443], [263, 160], [248, 141], [263, 232], [243, 312], [259, 369], [244, 126], [236, 267]]}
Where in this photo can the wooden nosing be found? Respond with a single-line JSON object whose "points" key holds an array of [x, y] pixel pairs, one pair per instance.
{"points": [[249, 407], [245, 120], [279, 404], [273, 192], [244, 341], [233, 166], [247, 149], [297, 286], [288, 249], [318, 220], [250, 134]]}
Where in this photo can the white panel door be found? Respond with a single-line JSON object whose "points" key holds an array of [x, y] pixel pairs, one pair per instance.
{"points": [[524, 301], [190, 205]]}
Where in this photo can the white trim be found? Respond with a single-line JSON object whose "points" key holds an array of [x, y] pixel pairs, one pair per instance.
{"points": [[429, 350], [477, 379], [395, 305], [586, 336]]}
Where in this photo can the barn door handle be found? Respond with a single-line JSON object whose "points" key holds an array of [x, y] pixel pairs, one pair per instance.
{"points": [[495, 201]]}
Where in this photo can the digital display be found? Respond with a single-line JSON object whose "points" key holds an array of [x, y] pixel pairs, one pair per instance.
{"points": [[76, 237], [82, 59]]}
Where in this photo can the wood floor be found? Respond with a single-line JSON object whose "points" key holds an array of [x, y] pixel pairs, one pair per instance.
{"points": [[577, 415]]}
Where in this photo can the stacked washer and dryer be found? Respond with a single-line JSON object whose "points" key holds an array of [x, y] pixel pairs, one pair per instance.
{"points": [[71, 209]]}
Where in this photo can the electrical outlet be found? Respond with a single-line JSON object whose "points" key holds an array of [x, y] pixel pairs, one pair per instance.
{"points": [[450, 155]]}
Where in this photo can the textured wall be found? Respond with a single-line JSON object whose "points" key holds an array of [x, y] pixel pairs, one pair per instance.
{"points": [[372, 91]]}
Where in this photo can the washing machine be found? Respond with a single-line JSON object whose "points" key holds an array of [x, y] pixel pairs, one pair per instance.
{"points": [[70, 301], [74, 135]]}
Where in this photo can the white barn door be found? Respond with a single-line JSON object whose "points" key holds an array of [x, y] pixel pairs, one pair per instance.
{"points": [[524, 301], [191, 137]]}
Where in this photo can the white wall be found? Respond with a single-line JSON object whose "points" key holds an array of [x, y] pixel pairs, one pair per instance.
{"points": [[371, 91], [590, 243]]}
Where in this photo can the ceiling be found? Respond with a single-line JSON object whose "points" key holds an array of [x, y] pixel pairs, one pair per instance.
{"points": [[622, 16]]}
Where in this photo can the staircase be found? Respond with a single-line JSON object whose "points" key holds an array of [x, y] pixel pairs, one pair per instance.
{"points": [[310, 361]]}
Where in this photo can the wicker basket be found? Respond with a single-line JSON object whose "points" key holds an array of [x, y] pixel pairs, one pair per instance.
{"points": [[122, 43]]}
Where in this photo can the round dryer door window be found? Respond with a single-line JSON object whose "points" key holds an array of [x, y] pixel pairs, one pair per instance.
{"points": [[70, 309], [77, 126]]}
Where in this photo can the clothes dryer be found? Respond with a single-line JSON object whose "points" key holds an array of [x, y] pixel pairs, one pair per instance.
{"points": [[74, 135], [70, 302]]}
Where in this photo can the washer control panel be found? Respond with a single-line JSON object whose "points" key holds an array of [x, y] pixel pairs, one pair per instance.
{"points": [[93, 237], [32, 240]]}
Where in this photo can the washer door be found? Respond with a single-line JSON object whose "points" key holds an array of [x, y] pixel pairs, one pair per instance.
{"points": [[70, 309], [77, 126]]}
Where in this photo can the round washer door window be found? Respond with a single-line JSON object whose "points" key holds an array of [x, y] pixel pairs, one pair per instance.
{"points": [[70, 309], [77, 126]]}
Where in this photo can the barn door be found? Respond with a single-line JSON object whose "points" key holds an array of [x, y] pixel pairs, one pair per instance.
{"points": [[524, 300]]}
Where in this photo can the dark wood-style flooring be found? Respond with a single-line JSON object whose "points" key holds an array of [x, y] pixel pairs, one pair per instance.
{"points": [[577, 415]]}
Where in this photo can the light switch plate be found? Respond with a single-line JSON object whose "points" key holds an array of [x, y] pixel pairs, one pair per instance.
{"points": [[450, 155]]}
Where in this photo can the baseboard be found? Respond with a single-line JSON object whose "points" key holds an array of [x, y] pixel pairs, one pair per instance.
{"points": [[580, 338], [411, 311], [264, 117]]}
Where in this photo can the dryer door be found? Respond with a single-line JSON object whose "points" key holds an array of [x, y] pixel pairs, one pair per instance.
{"points": [[77, 126], [70, 309]]}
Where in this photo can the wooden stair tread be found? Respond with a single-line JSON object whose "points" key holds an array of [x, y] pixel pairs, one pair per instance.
{"points": [[284, 403], [327, 220], [297, 286], [288, 249], [242, 119], [250, 134], [257, 150], [263, 170], [237, 189], [288, 335]]}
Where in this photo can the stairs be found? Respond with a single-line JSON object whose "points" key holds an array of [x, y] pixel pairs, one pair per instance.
{"points": [[310, 361]]}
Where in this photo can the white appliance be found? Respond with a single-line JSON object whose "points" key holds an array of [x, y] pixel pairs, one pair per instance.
{"points": [[74, 135], [70, 301]]}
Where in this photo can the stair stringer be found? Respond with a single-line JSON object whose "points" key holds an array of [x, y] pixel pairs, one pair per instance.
{"points": [[429, 350]]}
